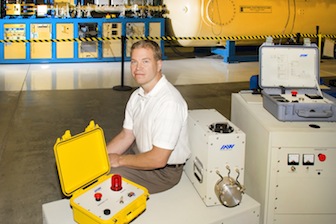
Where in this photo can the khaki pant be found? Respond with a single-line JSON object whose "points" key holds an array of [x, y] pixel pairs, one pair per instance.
{"points": [[155, 181]]}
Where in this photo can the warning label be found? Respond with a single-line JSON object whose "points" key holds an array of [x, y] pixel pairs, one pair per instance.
{"points": [[256, 9]]}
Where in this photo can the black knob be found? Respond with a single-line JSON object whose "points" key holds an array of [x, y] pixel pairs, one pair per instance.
{"points": [[107, 211]]}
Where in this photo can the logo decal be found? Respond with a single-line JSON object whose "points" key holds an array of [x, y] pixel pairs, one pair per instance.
{"points": [[227, 147]]}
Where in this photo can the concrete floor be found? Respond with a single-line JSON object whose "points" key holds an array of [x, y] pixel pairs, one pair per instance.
{"points": [[31, 121]]}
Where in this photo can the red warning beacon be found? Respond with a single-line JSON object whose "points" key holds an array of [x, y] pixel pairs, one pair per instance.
{"points": [[116, 182]]}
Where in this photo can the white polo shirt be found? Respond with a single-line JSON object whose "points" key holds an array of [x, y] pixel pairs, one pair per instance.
{"points": [[159, 118]]}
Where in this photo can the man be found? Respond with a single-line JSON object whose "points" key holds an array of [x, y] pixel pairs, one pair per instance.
{"points": [[156, 121]]}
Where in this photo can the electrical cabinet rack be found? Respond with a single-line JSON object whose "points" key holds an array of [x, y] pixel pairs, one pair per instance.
{"points": [[54, 40]]}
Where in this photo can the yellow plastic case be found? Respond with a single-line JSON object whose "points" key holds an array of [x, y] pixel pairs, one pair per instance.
{"points": [[83, 169]]}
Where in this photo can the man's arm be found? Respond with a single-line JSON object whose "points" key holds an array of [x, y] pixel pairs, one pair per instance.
{"points": [[121, 142], [153, 159]]}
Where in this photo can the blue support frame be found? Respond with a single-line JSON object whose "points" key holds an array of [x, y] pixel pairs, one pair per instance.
{"points": [[229, 53], [75, 21]]}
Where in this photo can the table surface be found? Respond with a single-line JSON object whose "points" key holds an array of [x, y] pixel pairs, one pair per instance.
{"points": [[181, 204]]}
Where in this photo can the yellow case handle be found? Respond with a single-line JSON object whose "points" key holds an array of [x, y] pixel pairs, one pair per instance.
{"points": [[135, 213]]}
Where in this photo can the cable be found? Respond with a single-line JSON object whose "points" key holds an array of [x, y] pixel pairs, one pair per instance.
{"points": [[288, 17], [219, 15], [294, 16]]}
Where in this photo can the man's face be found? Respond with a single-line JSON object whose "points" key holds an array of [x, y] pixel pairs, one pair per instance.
{"points": [[144, 68]]}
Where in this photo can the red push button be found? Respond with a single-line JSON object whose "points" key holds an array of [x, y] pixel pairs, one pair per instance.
{"points": [[322, 157], [294, 93], [98, 196]]}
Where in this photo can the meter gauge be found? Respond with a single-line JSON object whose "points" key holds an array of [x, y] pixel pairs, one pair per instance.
{"points": [[308, 159], [293, 159]]}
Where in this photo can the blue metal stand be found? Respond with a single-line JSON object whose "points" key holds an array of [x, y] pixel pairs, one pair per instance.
{"points": [[229, 53]]}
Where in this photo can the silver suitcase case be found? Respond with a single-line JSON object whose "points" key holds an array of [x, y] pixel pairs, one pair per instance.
{"points": [[289, 79]]}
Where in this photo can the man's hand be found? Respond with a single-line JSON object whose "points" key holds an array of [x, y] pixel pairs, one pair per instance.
{"points": [[114, 159], [153, 159]]}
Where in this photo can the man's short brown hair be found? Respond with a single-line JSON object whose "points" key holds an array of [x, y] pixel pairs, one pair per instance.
{"points": [[148, 44]]}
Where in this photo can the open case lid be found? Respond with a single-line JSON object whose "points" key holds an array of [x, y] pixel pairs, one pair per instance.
{"points": [[81, 159], [293, 66]]}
